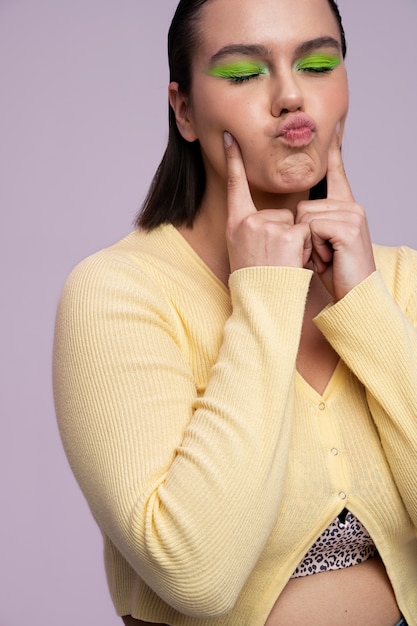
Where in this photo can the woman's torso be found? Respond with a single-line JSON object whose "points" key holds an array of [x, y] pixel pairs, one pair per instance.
{"points": [[360, 594]]}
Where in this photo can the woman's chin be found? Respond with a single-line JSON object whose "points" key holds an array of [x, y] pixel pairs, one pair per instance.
{"points": [[279, 198], [298, 173], [295, 182]]}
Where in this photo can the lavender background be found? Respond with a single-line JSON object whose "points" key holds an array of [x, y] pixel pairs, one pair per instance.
{"points": [[82, 128]]}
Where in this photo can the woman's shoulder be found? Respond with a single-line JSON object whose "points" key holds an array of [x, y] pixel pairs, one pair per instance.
{"points": [[139, 253], [398, 267], [390, 253], [394, 259], [128, 265], [157, 263], [136, 248]]}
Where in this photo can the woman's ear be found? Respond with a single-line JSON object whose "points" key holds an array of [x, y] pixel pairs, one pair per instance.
{"points": [[180, 106]]}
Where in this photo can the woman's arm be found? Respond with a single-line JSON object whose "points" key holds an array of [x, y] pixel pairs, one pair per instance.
{"points": [[186, 487], [374, 329]]}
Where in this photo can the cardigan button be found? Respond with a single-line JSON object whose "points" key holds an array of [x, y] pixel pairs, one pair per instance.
{"points": [[342, 495]]}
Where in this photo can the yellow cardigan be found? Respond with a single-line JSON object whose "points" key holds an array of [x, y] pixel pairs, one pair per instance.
{"points": [[208, 463]]}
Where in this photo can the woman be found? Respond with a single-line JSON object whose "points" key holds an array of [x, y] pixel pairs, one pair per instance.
{"points": [[245, 440]]}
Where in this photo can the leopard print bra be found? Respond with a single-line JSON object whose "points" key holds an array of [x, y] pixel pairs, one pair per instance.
{"points": [[345, 542]]}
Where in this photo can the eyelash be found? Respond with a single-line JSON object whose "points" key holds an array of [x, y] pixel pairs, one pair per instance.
{"points": [[239, 78], [316, 70], [236, 74], [318, 64]]}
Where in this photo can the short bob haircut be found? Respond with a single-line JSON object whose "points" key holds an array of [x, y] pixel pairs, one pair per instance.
{"points": [[178, 186]]}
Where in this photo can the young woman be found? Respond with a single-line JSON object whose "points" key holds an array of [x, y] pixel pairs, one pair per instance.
{"points": [[236, 379]]}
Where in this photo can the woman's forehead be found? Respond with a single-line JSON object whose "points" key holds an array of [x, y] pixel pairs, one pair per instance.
{"points": [[265, 20]]}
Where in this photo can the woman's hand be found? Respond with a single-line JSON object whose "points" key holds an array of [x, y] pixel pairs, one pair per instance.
{"points": [[266, 237], [342, 251]]}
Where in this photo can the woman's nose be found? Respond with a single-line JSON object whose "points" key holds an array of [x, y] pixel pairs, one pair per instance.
{"points": [[287, 95]]}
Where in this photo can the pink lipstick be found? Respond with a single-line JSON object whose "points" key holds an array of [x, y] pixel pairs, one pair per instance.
{"points": [[297, 130]]}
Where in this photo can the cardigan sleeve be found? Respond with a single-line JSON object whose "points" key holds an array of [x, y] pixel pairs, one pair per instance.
{"points": [[374, 330], [186, 487]]}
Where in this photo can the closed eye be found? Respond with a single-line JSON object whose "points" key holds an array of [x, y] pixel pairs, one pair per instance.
{"points": [[239, 72], [318, 63]]}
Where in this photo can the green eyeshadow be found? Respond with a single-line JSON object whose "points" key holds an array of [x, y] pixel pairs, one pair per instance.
{"points": [[238, 70], [318, 63]]}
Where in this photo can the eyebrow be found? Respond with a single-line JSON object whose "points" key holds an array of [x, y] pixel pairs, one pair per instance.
{"points": [[257, 50], [260, 50], [319, 42]]}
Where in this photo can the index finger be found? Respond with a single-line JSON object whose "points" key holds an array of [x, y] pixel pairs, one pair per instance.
{"points": [[338, 187], [239, 198]]}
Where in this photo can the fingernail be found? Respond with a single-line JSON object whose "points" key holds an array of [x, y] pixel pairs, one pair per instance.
{"points": [[228, 139]]}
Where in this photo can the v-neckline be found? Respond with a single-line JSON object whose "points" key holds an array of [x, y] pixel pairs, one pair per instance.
{"points": [[333, 382]]}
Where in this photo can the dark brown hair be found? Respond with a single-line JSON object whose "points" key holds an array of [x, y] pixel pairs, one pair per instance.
{"points": [[178, 186]]}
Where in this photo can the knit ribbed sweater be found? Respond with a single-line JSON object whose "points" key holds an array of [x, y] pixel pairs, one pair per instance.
{"points": [[208, 462]]}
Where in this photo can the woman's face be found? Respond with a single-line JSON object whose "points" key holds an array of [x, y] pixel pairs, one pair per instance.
{"points": [[271, 73]]}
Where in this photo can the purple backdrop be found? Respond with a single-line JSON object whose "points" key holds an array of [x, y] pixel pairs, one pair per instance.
{"points": [[82, 128]]}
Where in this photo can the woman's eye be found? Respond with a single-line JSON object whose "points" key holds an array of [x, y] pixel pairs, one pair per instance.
{"points": [[238, 72], [318, 63]]}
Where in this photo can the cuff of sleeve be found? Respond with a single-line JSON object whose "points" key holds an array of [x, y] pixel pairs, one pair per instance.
{"points": [[271, 301], [364, 314], [271, 284]]}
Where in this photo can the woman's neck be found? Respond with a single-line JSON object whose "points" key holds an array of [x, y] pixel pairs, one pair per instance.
{"points": [[207, 235]]}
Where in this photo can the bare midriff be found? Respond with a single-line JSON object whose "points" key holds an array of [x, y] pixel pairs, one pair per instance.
{"points": [[360, 595], [357, 595]]}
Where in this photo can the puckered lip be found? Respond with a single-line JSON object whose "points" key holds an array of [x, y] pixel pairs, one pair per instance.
{"points": [[296, 121]]}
